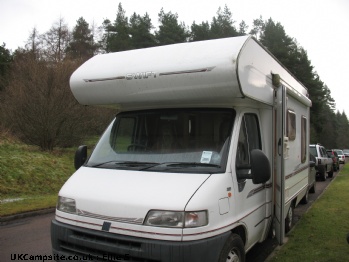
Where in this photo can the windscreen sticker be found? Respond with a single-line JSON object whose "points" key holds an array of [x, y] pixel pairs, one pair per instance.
{"points": [[206, 157]]}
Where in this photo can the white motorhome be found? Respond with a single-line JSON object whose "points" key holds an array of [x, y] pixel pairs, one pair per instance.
{"points": [[207, 155]]}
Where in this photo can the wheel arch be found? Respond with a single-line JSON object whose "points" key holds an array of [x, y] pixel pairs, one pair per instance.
{"points": [[241, 231]]}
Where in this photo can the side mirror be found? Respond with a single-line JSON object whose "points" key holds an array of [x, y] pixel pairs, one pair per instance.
{"points": [[259, 170], [80, 156], [260, 167]]}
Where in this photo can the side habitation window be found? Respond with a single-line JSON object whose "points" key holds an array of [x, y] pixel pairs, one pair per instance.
{"points": [[304, 139], [249, 139], [291, 125]]}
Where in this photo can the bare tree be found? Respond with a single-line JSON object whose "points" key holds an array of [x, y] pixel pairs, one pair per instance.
{"points": [[56, 41], [34, 43], [40, 108]]}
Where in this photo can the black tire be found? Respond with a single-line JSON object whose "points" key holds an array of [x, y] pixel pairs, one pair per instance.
{"points": [[233, 250], [305, 199], [323, 175], [289, 220], [313, 188], [330, 174]]}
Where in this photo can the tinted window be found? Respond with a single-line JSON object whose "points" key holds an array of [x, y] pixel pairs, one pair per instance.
{"points": [[304, 139], [173, 140], [291, 125], [249, 139]]}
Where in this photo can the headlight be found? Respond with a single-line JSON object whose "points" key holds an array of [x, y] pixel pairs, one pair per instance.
{"points": [[66, 204], [162, 218]]}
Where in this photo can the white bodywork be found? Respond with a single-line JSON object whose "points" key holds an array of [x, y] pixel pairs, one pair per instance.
{"points": [[234, 73]]}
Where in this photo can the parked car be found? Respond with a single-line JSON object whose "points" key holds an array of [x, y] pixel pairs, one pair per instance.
{"points": [[311, 179], [323, 163], [335, 158], [346, 152], [340, 155], [312, 174]]}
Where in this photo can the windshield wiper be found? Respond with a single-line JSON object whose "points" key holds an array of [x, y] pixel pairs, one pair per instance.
{"points": [[181, 165], [125, 163], [193, 164]]}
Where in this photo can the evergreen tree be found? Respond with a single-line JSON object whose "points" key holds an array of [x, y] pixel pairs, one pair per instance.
{"points": [[223, 25], [140, 31], [342, 130], [118, 35], [82, 44], [107, 27], [200, 32], [170, 30], [274, 37], [258, 27], [243, 27], [327, 137], [5, 63]]}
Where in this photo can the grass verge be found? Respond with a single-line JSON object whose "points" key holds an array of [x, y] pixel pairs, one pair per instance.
{"points": [[27, 204], [320, 235], [30, 178]]}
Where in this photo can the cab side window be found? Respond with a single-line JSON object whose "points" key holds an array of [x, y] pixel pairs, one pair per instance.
{"points": [[249, 139]]}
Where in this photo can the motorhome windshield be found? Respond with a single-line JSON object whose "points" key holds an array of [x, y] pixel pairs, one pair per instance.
{"points": [[177, 140]]}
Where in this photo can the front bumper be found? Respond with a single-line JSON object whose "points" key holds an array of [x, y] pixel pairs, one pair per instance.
{"points": [[71, 243]]}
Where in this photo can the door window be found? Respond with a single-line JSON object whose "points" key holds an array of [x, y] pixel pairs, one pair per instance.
{"points": [[249, 139]]}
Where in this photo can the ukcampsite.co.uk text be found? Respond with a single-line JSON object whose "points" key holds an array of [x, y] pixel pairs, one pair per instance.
{"points": [[56, 257]]}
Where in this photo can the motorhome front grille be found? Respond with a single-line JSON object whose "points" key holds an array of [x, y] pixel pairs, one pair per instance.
{"points": [[88, 247], [138, 221]]}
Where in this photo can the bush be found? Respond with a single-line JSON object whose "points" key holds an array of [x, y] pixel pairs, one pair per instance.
{"points": [[40, 109]]}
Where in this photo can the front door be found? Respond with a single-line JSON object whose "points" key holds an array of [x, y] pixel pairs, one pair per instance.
{"points": [[251, 197]]}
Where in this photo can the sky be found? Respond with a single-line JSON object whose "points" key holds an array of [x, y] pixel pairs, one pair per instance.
{"points": [[321, 27]]}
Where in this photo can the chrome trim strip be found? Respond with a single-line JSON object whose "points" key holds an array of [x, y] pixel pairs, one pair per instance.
{"points": [[201, 70], [104, 79], [138, 221], [258, 189]]}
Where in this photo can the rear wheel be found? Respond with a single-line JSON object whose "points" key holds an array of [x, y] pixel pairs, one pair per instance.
{"points": [[233, 250], [323, 175], [330, 174], [312, 189], [289, 219], [336, 167], [305, 199]]}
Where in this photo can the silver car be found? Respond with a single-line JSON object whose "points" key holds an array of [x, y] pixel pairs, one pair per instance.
{"points": [[340, 155], [346, 152]]}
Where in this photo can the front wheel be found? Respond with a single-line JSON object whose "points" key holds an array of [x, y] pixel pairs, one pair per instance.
{"points": [[233, 250]]}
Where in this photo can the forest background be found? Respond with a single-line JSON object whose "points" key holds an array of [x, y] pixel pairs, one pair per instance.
{"points": [[37, 106]]}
